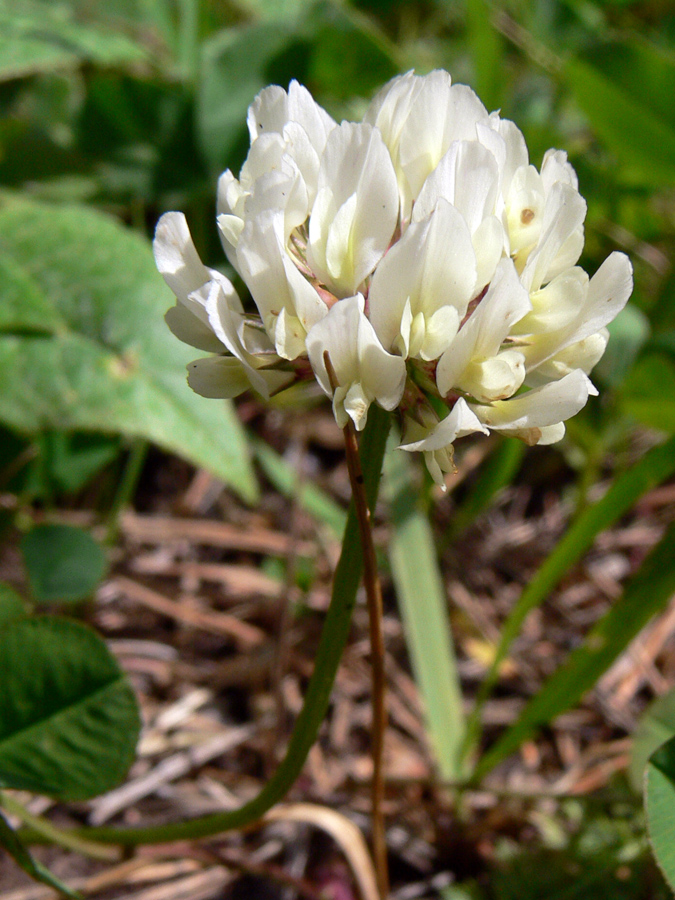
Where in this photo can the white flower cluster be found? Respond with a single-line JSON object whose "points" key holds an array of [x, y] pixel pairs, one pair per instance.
{"points": [[419, 250]]}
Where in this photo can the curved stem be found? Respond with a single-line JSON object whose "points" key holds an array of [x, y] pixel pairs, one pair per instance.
{"points": [[55, 835], [332, 643]]}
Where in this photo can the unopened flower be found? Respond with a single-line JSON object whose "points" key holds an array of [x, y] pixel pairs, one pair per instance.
{"points": [[417, 254]]}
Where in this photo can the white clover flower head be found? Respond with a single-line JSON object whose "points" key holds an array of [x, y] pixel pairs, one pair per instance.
{"points": [[418, 250]]}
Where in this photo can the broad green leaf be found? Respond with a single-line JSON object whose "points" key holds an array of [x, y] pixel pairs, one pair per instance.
{"points": [[635, 131], [64, 563], [423, 604], [11, 605], [43, 37], [648, 394], [647, 593], [69, 721], [70, 461], [656, 465], [23, 307], [21, 856], [660, 807], [656, 727], [114, 367]]}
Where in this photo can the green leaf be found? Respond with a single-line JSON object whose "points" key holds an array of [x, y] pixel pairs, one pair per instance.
{"points": [[660, 807], [648, 393], [11, 605], [635, 131], [11, 843], [424, 608], [113, 367], [43, 37], [656, 727], [627, 335], [69, 721], [64, 563], [23, 307], [647, 593], [651, 470]]}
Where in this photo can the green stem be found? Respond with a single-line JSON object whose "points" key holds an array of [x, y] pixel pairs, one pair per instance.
{"points": [[54, 835], [333, 640], [127, 487]]}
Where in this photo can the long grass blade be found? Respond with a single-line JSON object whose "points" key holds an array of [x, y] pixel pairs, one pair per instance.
{"points": [[423, 605]]}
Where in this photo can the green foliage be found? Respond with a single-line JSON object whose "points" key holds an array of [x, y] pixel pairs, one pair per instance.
{"points": [[422, 603], [104, 360], [69, 721], [660, 805], [655, 728], [11, 605], [11, 843], [64, 563]]}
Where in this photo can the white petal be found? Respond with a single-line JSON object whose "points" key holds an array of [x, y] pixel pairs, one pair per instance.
{"points": [[481, 336], [176, 256], [218, 377], [337, 333], [432, 266], [582, 314], [274, 281], [382, 374], [496, 378], [468, 177], [442, 113], [555, 167], [608, 293], [191, 330], [489, 244], [268, 112], [458, 423], [364, 370], [539, 407], [355, 163], [551, 434], [564, 213]]}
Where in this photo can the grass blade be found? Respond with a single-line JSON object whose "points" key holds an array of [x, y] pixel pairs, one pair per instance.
{"points": [[311, 498], [423, 605]]}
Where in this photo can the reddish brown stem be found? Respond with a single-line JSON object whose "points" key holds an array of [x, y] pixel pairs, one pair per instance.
{"points": [[374, 598]]}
